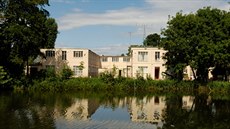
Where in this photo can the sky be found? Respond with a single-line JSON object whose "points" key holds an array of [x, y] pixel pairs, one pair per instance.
{"points": [[109, 27]]}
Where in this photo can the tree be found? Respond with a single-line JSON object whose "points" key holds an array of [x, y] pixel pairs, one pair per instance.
{"points": [[177, 43], [129, 49], [51, 33], [66, 72], [152, 40], [24, 31], [197, 40]]}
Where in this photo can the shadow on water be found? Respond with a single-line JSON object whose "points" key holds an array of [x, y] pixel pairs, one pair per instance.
{"points": [[106, 109]]}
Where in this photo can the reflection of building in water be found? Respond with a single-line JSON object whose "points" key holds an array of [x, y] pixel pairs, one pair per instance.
{"points": [[82, 109], [148, 109], [187, 102]]}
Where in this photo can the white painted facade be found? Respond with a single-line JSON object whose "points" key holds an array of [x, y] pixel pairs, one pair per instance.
{"points": [[148, 62], [143, 61], [120, 64], [83, 62]]}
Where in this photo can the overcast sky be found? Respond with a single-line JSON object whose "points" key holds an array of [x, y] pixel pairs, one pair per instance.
{"points": [[108, 27]]}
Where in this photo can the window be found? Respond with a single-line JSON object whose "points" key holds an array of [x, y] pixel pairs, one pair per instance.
{"points": [[157, 56], [63, 55], [104, 59], [50, 53], [115, 59], [77, 53], [142, 70], [126, 59], [143, 56], [77, 71]]}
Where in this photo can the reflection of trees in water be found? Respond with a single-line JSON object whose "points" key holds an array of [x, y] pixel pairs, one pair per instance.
{"points": [[202, 115], [115, 102], [23, 111]]}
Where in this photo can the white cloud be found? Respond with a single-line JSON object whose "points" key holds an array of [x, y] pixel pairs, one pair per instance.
{"points": [[155, 13], [126, 16], [153, 17], [117, 49]]}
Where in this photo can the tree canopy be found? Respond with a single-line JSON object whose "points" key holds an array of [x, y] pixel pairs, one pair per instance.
{"points": [[152, 40], [200, 40], [25, 28]]}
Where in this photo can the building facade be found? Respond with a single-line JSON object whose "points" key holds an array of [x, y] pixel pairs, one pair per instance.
{"points": [[83, 62], [118, 65], [143, 61], [148, 62]]}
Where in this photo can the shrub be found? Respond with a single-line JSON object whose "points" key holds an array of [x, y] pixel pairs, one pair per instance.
{"points": [[66, 73]]}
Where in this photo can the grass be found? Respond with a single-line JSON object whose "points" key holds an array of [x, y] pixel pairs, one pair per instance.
{"points": [[121, 84]]}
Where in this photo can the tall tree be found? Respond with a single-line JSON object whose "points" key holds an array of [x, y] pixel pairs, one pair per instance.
{"points": [[197, 40], [152, 40], [179, 41], [24, 32]]}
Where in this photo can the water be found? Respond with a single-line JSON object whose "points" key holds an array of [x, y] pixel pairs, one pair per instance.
{"points": [[108, 111]]}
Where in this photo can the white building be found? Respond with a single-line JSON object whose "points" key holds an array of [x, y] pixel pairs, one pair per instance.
{"points": [[83, 62], [143, 61], [147, 62], [119, 64]]}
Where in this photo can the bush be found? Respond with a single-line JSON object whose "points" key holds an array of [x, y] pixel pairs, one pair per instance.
{"points": [[66, 73], [219, 86]]}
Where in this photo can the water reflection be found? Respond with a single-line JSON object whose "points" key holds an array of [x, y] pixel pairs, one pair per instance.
{"points": [[187, 102], [147, 109], [81, 109], [56, 111]]}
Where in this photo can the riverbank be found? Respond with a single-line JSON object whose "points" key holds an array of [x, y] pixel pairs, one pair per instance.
{"points": [[125, 85]]}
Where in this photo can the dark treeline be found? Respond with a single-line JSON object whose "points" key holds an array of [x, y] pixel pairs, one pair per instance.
{"points": [[25, 27]]}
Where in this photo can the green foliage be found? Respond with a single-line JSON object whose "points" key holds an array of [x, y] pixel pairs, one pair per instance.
{"points": [[129, 49], [51, 33], [219, 86], [24, 29], [121, 84], [50, 72], [152, 40], [81, 66], [66, 73], [4, 78], [107, 77], [200, 40]]}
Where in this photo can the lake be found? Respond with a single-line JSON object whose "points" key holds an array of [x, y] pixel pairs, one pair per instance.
{"points": [[112, 111]]}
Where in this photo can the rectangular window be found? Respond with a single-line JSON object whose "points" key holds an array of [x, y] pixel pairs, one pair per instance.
{"points": [[104, 59], [77, 53], [115, 59], [143, 70], [50, 53], [77, 71], [157, 56], [143, 56], [126, 59], [63, 55]]}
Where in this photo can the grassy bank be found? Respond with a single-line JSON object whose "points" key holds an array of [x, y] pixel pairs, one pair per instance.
{"points": [[126, 85]]}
